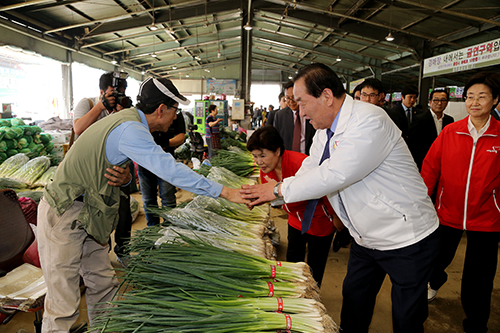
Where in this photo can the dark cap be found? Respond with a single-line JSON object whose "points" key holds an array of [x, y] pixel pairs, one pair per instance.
{"points": [[154, 91]]}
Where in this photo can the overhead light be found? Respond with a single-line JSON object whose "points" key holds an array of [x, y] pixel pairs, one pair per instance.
{"points": [[153, 27], [338, 58], [174, 67], [290, 77], [247, 26], [187, 75], [205, 25], [214, 78], [218, 54], [143, 72], [197, 58], [389, 37], [224, 68], [154, 55], [114, 62], [207, 70]]}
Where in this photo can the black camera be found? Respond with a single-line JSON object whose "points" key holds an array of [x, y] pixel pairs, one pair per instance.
{"points": [[119, 83]]}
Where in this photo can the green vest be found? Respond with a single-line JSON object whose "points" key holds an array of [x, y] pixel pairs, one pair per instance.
{"points": [[82, 172]]}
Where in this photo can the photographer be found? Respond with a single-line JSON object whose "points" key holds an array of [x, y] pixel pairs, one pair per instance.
{"points": [[89, 110]]}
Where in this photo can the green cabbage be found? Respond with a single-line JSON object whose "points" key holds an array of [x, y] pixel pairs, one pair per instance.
{"points": [[17, 122]]}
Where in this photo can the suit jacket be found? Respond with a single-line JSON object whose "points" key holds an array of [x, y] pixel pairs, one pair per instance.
{"points": [[283, 122], [422, 134], [398, 116], [270, 117], [495, 115]]}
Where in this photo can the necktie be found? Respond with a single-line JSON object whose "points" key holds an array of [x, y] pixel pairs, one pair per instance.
{"points": [[408, 116], [311, 204], [296, 134]]}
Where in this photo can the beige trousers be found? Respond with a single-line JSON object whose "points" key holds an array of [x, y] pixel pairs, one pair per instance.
{"points": [[66, 252]]}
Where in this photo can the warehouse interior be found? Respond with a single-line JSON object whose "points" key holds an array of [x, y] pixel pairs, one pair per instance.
{"points": [[265, 42]]}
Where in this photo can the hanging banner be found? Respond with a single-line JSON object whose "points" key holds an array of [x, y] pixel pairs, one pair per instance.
{"points": [[477, 56], [218, 87]]}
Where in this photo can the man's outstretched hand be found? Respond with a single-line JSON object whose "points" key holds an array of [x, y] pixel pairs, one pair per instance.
{"points": [[259, 194]]}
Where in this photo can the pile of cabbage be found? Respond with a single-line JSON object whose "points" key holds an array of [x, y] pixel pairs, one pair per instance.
{"points": [[17, 137]]}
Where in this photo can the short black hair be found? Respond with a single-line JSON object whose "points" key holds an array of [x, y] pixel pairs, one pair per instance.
{"points": [[211, 108], [373, 83], [409, 90], [439, 90], [318, 77], [266, 137], [280, 96], [490, 79], [150, 108], [357, 88], [287, 85], [106, 81]]}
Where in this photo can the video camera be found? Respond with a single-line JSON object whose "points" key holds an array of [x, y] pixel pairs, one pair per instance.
{"points": [[119, 84]]}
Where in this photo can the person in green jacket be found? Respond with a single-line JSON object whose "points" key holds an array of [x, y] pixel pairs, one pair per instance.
{"points": [[79, 209]]}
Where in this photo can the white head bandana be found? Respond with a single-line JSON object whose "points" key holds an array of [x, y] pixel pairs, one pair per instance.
{"points": [[168, 93]]}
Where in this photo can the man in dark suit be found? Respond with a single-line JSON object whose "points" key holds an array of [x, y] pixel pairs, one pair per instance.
{"points": [[428, 125], [404, 113], [272, 113], [296, 131], [496, 113]]}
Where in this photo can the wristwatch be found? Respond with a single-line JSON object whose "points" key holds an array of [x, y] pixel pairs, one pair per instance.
{"points": [[276, 190]]}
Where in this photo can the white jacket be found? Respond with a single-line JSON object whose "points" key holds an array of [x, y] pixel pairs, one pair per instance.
{"points": [[372, 171]]}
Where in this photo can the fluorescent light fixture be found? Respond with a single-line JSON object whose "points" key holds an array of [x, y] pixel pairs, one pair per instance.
{"points": [[389, 37]]}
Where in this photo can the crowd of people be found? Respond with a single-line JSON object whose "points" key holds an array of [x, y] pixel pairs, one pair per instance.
{"points": [[405, 183], [401, 185]]}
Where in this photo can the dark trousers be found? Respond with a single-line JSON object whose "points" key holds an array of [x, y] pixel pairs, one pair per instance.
{"points": [[480, 266], [209, 145], [124, 226], [317, 251], [409, 269]]}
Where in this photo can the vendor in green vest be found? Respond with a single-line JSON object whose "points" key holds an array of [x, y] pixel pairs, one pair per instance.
{"points": [[79, 209]]}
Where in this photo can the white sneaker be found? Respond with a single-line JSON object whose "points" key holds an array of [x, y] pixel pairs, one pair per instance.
{"points": [[431, 293]]}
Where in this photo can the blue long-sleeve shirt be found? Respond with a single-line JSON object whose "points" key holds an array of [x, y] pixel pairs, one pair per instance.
{"points": [[133, 140]]}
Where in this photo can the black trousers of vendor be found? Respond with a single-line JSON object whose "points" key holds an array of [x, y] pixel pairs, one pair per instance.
{"points": [[409, 269], [317, 251], [480, 266], [124, 226]]}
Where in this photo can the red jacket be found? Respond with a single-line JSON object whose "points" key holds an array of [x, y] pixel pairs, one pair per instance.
{"points": [[466, 177], [322, 223]]}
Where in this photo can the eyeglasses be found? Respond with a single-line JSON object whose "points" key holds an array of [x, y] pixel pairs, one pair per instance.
{"points": [[371, 96], [437, 101], [177, 110], [482, 98]]}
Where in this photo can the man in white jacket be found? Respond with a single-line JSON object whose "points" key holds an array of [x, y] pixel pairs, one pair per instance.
{"points": [[374, 186]]}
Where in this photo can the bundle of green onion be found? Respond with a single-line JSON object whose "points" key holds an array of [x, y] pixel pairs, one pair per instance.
{"points": [[229, 209], [252, 245], [239, 162], [204, 220], [153, 312], [228, 178]]}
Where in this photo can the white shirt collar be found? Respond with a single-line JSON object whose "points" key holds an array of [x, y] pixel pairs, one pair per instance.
{"points": [[472, 130]]}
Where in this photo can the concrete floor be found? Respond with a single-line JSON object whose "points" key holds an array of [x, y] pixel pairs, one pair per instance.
{"points": [[445, 312]]}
